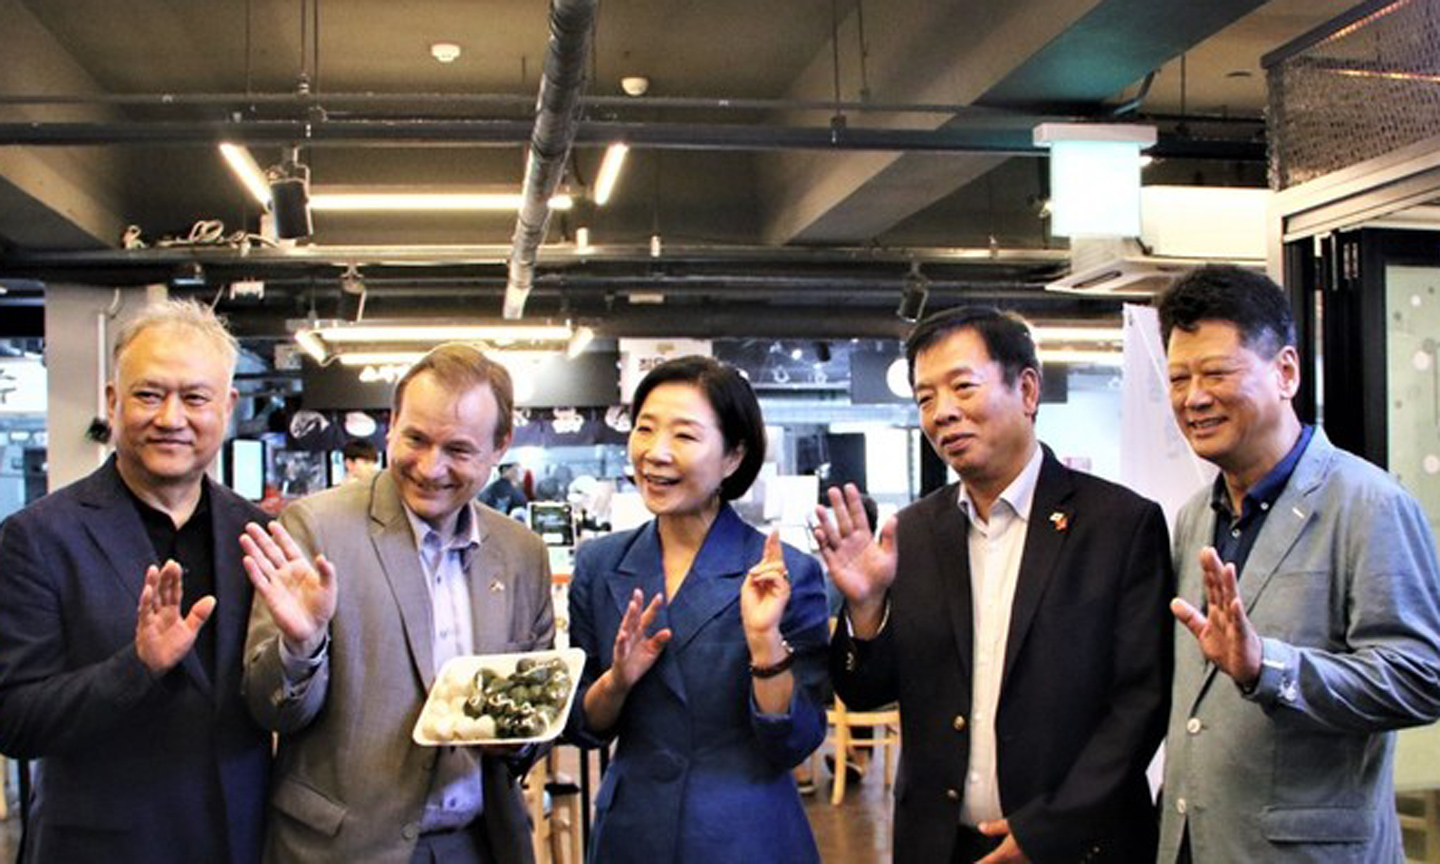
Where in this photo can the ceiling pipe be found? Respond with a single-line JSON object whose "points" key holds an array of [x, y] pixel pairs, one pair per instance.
{"points": [[985, 137], [556, 122]]}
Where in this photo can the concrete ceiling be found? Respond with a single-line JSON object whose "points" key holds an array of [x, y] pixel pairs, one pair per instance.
{"points": [[818, 227]]}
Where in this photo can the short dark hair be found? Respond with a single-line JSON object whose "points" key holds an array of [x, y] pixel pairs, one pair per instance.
{"points": [[1007, 338], [460, 367], [734, 404], [359, 448], [1245, 298]]}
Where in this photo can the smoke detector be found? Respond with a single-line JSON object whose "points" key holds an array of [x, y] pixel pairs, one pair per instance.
{"points": [[445, 52], [635, 85]]}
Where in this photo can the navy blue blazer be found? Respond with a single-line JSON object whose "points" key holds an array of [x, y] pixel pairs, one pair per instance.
{"points": [[699, 775], [130, 767]]}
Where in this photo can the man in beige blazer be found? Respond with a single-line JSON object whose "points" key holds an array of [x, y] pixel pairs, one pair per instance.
{"points": [[361, 596]]}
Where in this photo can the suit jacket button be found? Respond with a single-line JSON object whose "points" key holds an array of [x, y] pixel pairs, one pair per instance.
{"points": [[952, 794], [410, 831], [959, 723]]}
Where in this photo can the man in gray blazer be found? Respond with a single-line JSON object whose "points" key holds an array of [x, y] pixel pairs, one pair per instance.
{"points": [[1308, 579], [367, 590]]}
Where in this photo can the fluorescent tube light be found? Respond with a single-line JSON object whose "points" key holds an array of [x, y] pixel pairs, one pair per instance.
{"points": [[438, 333], [320, 199], [248, 171], [609, 172], [1044, 334]]}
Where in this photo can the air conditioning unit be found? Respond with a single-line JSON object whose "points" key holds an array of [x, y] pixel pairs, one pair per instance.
{"points": [[1182, 228], [1116, 267]]}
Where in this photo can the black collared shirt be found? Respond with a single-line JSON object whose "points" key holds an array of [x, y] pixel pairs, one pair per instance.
{"points": [[1234, 538], [192, 546]]}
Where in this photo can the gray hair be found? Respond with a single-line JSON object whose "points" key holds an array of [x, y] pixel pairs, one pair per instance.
{"points": [[180, 314]]}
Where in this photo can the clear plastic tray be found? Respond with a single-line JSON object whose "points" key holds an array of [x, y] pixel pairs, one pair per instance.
{"points": [[454, 683]]}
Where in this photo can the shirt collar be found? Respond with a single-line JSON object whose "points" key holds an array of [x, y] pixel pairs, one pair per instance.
{"points": [[1268, 490], [1019, 495], [466, 532]]}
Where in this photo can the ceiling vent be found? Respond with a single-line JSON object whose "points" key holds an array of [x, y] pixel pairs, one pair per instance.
{"points": [[1117, 267], [1182, 228]]}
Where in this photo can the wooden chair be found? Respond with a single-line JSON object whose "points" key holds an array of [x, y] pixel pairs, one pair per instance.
{"points": [[842, 721], [554, 829], [1420, 819]]}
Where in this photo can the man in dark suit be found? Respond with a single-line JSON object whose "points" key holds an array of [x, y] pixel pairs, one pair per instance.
{"points": [[1019, 617], [130, 703]]}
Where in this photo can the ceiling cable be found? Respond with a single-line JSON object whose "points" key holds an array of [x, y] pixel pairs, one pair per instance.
{"points": [[838, 119], [864, 51]]}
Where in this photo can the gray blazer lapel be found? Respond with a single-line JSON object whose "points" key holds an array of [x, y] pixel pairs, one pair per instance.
{"points": [[491, 587], [1294, 509], [395, 545]]}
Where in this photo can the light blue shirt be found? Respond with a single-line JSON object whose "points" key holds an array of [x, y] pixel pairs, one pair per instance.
{"points": [[456, 795]]}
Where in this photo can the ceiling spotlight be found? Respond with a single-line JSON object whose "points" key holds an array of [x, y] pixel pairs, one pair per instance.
{"points": [[290, 197], [445, 52], [913, 295], [352, 294], [635, 85]]}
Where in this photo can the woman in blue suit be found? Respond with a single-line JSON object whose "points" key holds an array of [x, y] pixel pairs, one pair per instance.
{"points": [[713, 685]]}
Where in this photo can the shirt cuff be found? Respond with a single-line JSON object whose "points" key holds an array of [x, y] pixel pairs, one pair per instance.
{"points": [[1276, 685], [884, 620], [298, 671]]}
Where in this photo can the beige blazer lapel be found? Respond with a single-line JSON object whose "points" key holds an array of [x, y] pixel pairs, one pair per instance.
{"points": [[492, 588], [394, 543]]}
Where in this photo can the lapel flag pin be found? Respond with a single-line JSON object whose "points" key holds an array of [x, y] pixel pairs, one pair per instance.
{"points": [[1060, 521]]}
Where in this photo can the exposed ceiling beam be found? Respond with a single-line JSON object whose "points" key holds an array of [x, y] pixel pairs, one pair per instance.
{"points": [[1078, 52]]}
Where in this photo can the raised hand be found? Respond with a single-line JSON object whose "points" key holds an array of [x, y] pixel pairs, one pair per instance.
{"points": [[635, 653], [162, 636], [765, 593], [1223, 630], [300, 596], [861, 566]]}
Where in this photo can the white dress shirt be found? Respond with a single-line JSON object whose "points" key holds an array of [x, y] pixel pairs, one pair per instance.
{"points": [[996, 546]]}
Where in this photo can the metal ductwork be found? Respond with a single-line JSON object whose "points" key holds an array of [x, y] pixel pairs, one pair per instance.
{"points": [[556, 120]]}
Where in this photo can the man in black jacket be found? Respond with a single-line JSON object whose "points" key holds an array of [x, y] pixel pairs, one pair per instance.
{"points": [[123, 609], [1019, 617]]}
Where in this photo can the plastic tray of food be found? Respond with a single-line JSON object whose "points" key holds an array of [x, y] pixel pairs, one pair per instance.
{"points": [[500, 698]]}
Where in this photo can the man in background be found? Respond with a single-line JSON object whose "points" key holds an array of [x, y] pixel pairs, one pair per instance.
{"points": [[361, 459], [505, 494], [122, 621], [380, 585], [1310, 599]]}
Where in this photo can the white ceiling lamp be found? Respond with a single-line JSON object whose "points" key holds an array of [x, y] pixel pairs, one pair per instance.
{"points": [[1094, 177], [1047, 334], [445, 52], [357, 199], [610, 171], [249, 172], [1080, 356], [329, 199], [382, 343]]}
